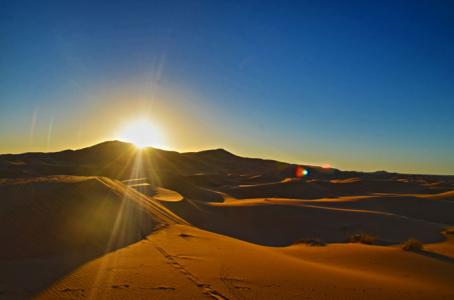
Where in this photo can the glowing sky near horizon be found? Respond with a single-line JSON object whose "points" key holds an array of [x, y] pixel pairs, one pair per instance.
{"points": [[349, 84], [142, 133]]}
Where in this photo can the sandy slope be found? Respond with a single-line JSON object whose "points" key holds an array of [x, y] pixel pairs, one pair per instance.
{"points": [[44, 258], [49, 225], [90, 236], [279, 222], [182, 262]]}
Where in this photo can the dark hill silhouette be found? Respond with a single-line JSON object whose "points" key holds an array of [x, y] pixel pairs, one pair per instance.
{"points": [[108, 158], [194, 173]]}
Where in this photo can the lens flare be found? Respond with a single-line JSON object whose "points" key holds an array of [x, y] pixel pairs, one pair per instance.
{"points": [[301, 171]]}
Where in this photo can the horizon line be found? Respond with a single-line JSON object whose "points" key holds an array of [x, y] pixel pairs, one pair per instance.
{"points": [[220, 148]]}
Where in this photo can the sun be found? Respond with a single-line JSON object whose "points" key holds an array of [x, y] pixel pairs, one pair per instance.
{"points": [[142, 133]]}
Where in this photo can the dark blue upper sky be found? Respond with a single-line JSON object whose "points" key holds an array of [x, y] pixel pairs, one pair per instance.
{"points": [[357, 84]]}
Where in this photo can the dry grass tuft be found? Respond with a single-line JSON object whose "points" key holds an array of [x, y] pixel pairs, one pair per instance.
{"points": [[412, 245], [363, 238]]}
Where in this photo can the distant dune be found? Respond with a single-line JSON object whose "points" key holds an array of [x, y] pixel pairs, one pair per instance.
{"points": [[110, 221], [280, 222]]}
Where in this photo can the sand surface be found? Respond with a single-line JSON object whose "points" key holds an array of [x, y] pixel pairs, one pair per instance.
{"points": [[184, 262], [156, 224]]}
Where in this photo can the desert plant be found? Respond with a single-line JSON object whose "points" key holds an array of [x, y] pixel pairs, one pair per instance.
{"points": [[412, 245], [363, 238]]}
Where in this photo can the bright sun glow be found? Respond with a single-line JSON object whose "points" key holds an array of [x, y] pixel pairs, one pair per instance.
{"points": [[141, 133]]}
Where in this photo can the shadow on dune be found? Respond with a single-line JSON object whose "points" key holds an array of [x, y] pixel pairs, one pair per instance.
{"points": [[419, 207], [436, 256], [317, 188], [50, 226], [281, 225]]}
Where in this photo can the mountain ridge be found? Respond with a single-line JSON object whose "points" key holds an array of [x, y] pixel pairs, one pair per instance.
{"points": [[216, 160]]}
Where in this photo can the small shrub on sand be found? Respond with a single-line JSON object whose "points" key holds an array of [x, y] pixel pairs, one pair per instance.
{"points": [[412, 245], [310, 242], [363, 238]]}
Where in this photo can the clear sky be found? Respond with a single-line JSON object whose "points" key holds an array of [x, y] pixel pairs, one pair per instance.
{"points": [[361, 85]]}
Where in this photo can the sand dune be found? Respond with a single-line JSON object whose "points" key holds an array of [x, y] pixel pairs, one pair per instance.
{"points": [[417, 207], [185, 262], [163, 194], [61, 222], [123, 224], [310, 188], [448, 196], [279, 222], [63, 214]]}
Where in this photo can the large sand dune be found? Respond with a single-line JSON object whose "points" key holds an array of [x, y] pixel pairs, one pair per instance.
{"points": [[59, 222], [183, 262], [281, 222], [122, 224]]}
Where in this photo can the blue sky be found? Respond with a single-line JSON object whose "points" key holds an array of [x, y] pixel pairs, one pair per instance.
{"points": [[357, 84]]}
